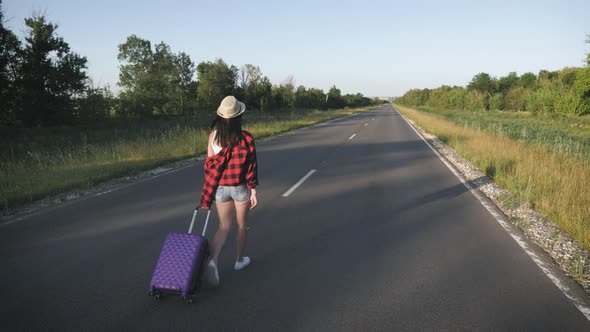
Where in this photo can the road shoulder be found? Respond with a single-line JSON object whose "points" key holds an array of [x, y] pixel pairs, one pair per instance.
{"points": [[565, 252]]}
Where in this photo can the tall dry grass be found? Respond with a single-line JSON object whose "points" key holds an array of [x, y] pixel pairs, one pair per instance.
{"points": [[32, 168], [555, 184]]}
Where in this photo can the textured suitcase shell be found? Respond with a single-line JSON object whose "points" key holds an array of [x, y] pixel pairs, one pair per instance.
{"points": [[180, 265]]}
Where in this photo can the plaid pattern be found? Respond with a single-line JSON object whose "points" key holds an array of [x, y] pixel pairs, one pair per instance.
{"points": [[230, 167]]}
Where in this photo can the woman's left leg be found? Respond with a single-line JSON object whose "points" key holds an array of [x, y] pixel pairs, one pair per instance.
{"points": [[242, 210]]}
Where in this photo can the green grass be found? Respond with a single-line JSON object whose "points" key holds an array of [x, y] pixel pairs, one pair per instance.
{"points": [[36, 163], [564, 135]]}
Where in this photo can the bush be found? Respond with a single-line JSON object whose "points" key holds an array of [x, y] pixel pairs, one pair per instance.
{"points": [[569, 103], [475, 101], [582, 89], [495, 102], [515, 99]]}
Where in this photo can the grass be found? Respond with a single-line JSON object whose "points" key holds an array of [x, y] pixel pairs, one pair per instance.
{"points": [[36, 163], [550, 169], [565, 135]]}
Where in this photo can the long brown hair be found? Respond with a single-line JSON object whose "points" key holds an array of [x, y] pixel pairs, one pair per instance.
{"points": [[229, 131]]}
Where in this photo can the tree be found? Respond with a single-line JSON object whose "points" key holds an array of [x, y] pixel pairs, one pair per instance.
{"points": [[259, 94], [289, 91], [249, 74], [506, 83], [309, 98], [263, 93], [155, 81], [216, 80], [134, 77], [548, 75], [280, 96], [302, 97], [414, 97], [528, 80], [95, 104], [10, 52], [317, 98], [335, 99], [51, 75], [582, 89], [137, 53], [568, 77], [256, 88], [582, 85], [356, 100], [483, 83], [186, 86], [290, 83], [163, 83]]}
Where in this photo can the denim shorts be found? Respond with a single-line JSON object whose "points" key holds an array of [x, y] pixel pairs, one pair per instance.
{"points": [[239, 194]]}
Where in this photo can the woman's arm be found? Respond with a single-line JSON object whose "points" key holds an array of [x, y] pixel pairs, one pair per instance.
{"points": [[210, 144], [252, 173], [252, 170]]}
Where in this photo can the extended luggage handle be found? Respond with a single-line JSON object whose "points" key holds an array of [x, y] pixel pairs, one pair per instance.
{"points": [[190, 229]]}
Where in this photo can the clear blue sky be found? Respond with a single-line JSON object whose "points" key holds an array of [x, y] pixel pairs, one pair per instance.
{"points": [[377, 48]]}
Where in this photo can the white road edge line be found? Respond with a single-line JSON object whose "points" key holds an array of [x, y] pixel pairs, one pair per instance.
{"points": [[351, 137], [521, 242], [290, 191]]}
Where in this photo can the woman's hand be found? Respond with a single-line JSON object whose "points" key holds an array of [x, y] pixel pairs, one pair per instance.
{"points": [[253, 199]]}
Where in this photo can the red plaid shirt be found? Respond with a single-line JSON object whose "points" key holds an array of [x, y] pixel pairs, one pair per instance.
{"points": [[231, 167]]}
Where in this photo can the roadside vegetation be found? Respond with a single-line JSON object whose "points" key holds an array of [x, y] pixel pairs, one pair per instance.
{"points": [[539, 171], [565, 135], [562, 92], [54, 160], [530, 133], [59, 131]]}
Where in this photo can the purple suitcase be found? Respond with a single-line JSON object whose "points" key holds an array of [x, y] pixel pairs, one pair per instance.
{"points": [[181, 263]]}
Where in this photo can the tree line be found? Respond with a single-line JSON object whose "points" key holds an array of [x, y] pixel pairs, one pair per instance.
{"points": [[44, 83], [563, 92]]}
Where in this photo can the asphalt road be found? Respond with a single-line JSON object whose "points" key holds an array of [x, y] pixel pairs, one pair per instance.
{"points": [[381, 237]]}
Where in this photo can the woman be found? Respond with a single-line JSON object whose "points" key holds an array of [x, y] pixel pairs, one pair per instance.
{"points": [[231, 177]]}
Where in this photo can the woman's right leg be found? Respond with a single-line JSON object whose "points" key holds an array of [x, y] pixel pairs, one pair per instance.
{"points": [[225, 210]]}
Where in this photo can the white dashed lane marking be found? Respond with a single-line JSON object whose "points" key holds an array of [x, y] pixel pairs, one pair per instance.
{"points": [[290, 191]]}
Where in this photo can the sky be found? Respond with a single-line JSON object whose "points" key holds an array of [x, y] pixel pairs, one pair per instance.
{"points": [[377, 48]]}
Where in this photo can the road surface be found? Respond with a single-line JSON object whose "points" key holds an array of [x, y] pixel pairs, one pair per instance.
{"points": [[381, 237]]}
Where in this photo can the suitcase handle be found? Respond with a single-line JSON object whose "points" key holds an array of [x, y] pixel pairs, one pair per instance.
{"points": [[190, 229]]}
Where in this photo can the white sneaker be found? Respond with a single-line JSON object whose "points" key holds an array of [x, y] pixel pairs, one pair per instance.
{"points": [[240, 265], [212, 274]]}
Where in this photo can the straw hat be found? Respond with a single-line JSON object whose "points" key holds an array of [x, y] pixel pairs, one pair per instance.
{"points": [[230, 107]]}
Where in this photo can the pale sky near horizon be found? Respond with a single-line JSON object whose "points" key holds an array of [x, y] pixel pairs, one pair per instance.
{"points": [[377, 48]]}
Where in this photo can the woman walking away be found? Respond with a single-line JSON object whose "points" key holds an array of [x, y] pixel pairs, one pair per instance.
{"points": [[231, 179]]}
